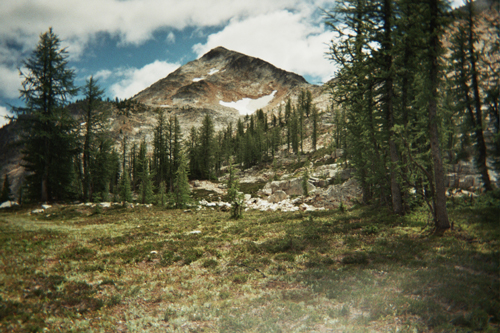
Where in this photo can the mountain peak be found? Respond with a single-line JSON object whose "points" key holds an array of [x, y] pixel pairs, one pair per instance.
{"points": [[217, 52], [225, 83]]}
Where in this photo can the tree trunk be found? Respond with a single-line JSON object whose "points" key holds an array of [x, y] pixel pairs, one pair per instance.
{"points": [[44, 197], [481, 145], [441, 214], [86, 157], [397, 205]]}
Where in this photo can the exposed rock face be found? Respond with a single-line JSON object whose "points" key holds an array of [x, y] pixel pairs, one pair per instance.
{"points": [[223, 76], [220, 74], [343, 192], [465, 176], [277, 196], [289, 187]]}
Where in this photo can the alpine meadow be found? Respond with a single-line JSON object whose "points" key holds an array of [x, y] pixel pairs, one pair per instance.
{"points": [[235, 196]]}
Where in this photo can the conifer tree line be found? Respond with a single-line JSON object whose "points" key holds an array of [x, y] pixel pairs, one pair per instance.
{"points": [[74, 157], [255, 140], [411, 104]]}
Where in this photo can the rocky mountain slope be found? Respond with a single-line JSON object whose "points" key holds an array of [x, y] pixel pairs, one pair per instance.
{"points": [[227, 85]]}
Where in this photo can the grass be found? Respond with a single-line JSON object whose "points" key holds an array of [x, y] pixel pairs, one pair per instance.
{"points": [[363, 270]]}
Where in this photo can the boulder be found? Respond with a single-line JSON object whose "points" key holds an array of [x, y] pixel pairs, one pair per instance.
{"points": [[295, 187], [467, 182], [348, 190], [338, 153], [8, 204], [290, 187], [346, 174], [451, 180], [277, 196], [465, 168], [320, 182], [263, 205], [266, 190], [325, 171]]}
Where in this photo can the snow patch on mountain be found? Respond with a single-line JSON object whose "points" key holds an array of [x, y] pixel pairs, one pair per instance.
{"points": [[212, 72], [248, 105]]}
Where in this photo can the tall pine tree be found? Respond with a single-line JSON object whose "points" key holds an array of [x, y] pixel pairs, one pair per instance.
{"points": [[49, 130], [94, 116]]}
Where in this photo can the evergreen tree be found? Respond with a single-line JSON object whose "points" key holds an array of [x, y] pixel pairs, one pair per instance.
{"points": [[6, 194], [465, 59], [125, 188], [146, 184], [204, 168], [434, 48], [135, 166], [314, 135], [49, 130], [305, 181], [275, 140], [114, 171], [181, 183], [228, 144], [94, 117], [161, 161], [385, 38], [194, 154], [491, 84], [236, 198], [103, 167], [288, 123], [240, 142], [295, 131], [175, 146], [161, 194], [353, 91], [387, 84]]}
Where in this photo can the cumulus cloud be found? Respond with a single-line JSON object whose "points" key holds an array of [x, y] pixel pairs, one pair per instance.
{"points": [[80, 24], [103, 74], [10, 82], [284, 38], [4, 112], [133, 80], [134, 20]]}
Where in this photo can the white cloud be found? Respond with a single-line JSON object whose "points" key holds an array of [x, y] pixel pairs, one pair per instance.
{"points": [[171, 38], [133, 21], [79, 24], [10, 82], [286, 39], [103, 74], [457, 3], [4, 112], [133, 80]]}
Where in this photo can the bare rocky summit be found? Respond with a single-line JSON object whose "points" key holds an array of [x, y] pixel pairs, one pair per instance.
{"points": [[221, 75], [226, 85]]}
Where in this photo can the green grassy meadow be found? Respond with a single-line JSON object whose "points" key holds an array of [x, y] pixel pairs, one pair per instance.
{"points": [[81, 269]]}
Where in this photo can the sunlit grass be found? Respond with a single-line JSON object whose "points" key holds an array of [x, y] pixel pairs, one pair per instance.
{"points": [[362, 270]]}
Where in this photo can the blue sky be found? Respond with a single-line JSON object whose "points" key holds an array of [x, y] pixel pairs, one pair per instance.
{"points": [[130, 44]]}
